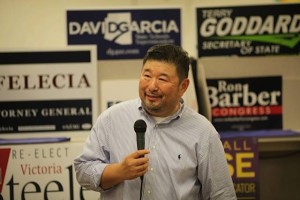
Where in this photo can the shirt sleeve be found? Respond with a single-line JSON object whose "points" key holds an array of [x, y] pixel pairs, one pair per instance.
{"points": [[213, 170], [95, 156]]}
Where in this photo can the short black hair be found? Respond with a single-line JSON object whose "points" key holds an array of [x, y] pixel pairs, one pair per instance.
{"points": [[170, 53]]}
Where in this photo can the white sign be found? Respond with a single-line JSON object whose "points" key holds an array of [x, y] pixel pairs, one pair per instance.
{"points": [[48, 90], [41, 171]]}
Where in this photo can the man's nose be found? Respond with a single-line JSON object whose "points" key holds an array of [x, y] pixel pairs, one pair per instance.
{"points": [[153, 85]]}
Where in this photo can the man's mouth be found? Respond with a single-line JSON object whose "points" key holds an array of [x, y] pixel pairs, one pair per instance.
{"points": [[152, 97]]}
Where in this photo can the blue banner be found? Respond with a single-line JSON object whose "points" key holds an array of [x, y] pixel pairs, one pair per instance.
{"points": [[123, 34], [248, 103], [43, 116], [249, 30]]}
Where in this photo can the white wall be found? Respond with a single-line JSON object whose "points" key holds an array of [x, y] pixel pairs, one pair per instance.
{"points": [[38, 23], [42, 24]]}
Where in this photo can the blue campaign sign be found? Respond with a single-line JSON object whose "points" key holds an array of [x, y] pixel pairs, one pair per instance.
{"points": [[247, 103], [260, 30], [124, 34]]}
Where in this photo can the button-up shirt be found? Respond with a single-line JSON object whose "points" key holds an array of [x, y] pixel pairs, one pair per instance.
{"points": [[186, 159]]}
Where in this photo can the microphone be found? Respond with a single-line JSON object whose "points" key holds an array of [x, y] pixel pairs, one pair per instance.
{"points": [[140, 127]]}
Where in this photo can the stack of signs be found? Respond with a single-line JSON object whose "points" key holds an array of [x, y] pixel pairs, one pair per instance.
{"points": [[246, 103]]}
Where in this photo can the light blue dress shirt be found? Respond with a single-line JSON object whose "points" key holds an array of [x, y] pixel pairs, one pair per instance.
{"points": [[187, 159]]}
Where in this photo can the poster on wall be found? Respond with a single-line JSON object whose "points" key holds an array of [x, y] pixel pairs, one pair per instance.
{"points": [[41, 171], [48, 90], [124, 33], [242, 158], [258, 30], [248, 103]]}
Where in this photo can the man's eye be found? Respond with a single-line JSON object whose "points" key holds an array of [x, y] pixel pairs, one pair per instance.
{"points": [[162, 79]]}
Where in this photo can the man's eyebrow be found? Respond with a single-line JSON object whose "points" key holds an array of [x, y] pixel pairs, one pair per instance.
{"points": [[162, 74]]}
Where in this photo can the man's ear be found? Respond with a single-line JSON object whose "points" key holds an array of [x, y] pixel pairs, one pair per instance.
{"points": [[184, 86]]}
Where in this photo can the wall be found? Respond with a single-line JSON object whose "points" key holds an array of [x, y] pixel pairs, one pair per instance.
{"points": [[35, 24], [42, 24]]}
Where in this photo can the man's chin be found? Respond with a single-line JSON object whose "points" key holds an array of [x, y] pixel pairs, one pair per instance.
{"points": [[152, 107]]}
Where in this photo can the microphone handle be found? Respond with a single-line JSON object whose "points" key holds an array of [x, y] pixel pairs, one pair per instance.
{"points": [[141, 145], [140, 141]]}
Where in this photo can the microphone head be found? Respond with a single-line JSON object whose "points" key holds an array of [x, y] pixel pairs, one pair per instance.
{"points": [[140, 126]]}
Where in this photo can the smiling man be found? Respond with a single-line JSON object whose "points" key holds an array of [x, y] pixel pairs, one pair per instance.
{"points": [[183, 156]]}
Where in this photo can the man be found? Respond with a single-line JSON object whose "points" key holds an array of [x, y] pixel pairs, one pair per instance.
{"points": [[183, 157]]}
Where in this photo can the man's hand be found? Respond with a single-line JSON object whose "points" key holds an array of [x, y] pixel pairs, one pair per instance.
{"points": [[134, 165]]}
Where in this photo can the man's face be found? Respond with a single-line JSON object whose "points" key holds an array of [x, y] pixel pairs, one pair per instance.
{"points": [[160, 89]]}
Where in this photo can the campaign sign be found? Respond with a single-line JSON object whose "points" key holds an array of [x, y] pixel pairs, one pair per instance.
{"points": [[42, 115], [123, 33], [41, 171], [48, 91], [249, 30], [252, 103], [242, 158]]}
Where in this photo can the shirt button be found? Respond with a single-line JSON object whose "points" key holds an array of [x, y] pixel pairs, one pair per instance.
{"points": [[153, 147], [151, 169], [149, 192]]}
